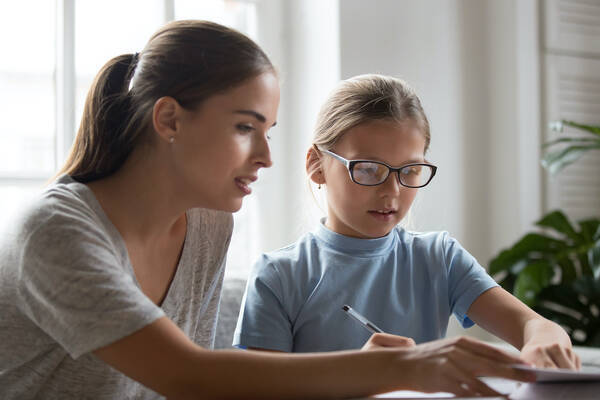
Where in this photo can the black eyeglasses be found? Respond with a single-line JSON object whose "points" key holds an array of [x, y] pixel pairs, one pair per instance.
{"points": [[372, 173]]}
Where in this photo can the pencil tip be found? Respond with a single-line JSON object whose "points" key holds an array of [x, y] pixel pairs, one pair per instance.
{"points": [[346, 307]]}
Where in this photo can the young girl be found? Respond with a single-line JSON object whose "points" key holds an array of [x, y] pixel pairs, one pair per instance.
{"points": [[110, 280], [369, 150]]}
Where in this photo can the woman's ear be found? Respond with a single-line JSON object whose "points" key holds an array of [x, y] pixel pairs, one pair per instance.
{"points": [[314, 167], [165, 113]]}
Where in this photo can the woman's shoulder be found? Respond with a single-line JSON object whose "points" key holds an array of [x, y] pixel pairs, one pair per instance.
{"points": [[62, 204]]}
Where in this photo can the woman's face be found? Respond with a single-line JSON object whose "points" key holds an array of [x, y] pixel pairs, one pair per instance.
{"points": [[220, 147], [371, 211]]}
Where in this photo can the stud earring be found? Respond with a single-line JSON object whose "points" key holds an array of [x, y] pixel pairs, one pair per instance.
{"points": [[171, 139]]}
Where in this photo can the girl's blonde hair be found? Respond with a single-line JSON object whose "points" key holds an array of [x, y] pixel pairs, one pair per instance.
{"points": [[366, 98]]}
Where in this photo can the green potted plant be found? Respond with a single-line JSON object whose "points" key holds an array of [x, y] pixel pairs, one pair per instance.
{"points": [[556, 271]]}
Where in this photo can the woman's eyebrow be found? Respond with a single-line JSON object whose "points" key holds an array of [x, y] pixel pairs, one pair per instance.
{"points": [[254, 114]]}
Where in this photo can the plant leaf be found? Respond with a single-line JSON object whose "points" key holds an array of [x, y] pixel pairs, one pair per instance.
{"points": [[567, 297], [532, 280], [568, 270], [590, 229], [559, 222], [587, 128], [574, 140], [557, 160], [529, 247], [560, 317], [584, 262], [594, 259]]}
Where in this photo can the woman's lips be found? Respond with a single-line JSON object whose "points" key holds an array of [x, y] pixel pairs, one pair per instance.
{"points": [[243, 184]]}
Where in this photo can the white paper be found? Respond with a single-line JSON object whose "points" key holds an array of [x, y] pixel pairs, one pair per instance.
{"points": [[558, 391], [560, 375]]}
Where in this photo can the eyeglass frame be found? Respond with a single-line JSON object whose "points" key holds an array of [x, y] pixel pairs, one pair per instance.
{"points": [[351, 163]]}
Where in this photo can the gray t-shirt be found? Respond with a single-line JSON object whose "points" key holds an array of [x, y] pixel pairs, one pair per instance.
{"points": [[67, 288]]}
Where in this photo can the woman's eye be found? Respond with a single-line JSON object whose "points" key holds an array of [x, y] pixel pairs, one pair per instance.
{"points": [[245, 128]]}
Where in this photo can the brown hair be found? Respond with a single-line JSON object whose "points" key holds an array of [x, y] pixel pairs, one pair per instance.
{"points": [[366, 98], [187, 60]]}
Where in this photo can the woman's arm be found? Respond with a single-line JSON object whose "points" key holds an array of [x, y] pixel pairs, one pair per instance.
{"points": [[161, 357], [542, 342]]}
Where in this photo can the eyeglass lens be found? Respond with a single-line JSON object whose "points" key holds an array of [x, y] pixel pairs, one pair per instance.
{"points": [[369, 173]]}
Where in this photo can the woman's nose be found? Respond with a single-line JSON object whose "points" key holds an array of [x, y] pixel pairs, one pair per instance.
{"points": [[262, 153]]}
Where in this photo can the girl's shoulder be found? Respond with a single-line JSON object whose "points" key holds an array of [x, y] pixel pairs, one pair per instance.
{"points": [[290, 258], [431, 241], [419, 236]]}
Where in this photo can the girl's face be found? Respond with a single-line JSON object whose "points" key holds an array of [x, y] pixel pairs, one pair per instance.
{"points": [[220, 147], [371, 211]]}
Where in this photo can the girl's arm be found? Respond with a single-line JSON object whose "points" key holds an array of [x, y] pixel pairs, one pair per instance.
{"points": [[542, 342], [161, 357]]}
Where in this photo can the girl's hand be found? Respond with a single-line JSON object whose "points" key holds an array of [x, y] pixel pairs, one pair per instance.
{"points": [[454, 365], [379, 340], [551, 355]]}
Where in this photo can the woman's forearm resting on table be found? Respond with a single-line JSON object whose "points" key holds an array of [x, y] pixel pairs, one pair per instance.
{"points": [[161, 357]]}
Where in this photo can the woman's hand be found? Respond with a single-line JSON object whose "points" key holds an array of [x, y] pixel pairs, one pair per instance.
{"points": [[550, 355], [454, 365], [379, 340]]}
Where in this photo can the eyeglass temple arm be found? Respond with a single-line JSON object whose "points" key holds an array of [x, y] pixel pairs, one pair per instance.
{"points": [[340, 158]]}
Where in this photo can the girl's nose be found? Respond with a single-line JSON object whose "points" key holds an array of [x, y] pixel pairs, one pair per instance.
{"points": [[391, 185]]}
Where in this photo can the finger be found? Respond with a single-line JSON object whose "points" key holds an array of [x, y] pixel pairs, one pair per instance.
{"points": [[470, 383], [577, 361], [388, 340], [487, 351], [560, 358], [480, 365]]}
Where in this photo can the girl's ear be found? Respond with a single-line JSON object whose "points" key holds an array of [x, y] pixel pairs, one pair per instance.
{"points": [[164, 118], [314, 167]]}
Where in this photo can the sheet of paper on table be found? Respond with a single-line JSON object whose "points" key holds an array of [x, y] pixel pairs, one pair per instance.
{"points": [[562, 375]]}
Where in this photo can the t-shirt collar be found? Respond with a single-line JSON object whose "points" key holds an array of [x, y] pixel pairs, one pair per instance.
{"points": [[351, 245]]}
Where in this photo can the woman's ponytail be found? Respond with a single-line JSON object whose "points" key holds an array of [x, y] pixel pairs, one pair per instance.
{"points": [[101, 145]]}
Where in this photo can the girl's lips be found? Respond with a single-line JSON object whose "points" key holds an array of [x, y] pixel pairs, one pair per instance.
{"points": [[383, 216]]}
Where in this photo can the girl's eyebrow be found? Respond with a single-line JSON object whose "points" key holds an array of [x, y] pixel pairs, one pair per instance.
{"points": [[257, 115], [409, 161]]}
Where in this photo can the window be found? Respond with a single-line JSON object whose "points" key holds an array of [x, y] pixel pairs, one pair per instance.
{"points": [[36, 97], [27, 87], [572, 86]]}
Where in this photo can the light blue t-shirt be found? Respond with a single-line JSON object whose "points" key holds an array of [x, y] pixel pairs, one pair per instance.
{"points": [[405, 283]]}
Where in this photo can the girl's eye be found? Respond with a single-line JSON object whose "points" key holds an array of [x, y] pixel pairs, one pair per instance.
{"points": [[245, 128]]}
